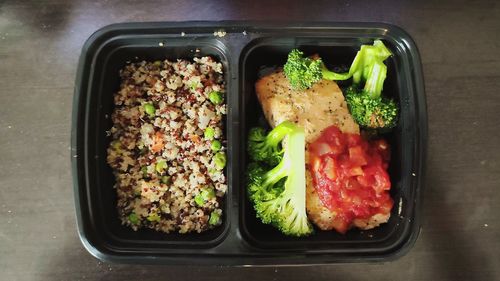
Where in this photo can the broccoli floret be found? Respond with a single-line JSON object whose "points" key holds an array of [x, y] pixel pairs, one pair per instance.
{"points": [[302, 72], [368, 66], [378, 112], [267, 148], [279, 193], [367, 106], [255, 174]]}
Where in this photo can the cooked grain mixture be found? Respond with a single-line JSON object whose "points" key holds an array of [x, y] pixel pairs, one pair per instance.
{"points": [[168, 148]]}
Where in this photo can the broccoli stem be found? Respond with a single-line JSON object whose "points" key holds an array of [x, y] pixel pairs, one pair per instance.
{"points": [[279, 132], [275, 175], [291, 204], [330, 75], [294, 158], [368, 65], [292, 137], [375, 82]]}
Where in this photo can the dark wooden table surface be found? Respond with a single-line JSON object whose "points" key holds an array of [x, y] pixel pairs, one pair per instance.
{"points": [[459, 43]]}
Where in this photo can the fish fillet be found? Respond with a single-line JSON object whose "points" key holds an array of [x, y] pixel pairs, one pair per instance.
{"points": [[313, 109]]}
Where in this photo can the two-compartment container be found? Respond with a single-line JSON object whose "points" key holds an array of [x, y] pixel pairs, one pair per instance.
{"points": [[245, 50]]}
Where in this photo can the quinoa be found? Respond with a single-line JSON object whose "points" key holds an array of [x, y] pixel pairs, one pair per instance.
{"points": [[168, 149]]}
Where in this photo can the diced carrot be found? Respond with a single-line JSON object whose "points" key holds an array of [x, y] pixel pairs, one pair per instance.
{"points": [[157, 142], [195, 138]]}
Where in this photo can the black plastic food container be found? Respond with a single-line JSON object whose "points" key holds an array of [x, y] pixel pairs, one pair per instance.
{"points": [[245, 50]]}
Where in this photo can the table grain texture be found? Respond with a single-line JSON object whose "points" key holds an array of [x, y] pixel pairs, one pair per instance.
{"points": [[459, 42]]}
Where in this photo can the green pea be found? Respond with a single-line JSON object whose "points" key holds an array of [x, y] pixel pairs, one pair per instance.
{"points": [[144, 171], [220, 160], [207, 193], [215, 97], [165, 179], [209, 133], [157, 63], [160, 166], [198, 199], [116, 144], [149, 109], [214, 218], [133, 218], [216, 145], [154, 217]]}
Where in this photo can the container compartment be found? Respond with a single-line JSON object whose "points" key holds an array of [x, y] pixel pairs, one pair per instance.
{"points": [[265, 54], [103, 228]]}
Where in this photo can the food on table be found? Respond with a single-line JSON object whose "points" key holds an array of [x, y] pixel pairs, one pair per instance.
{"points": [[168, 148]]}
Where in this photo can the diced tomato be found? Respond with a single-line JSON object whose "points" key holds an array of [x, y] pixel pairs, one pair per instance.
{"points": [[356, 171], [323, 148], [330, 168], [334, 139], [357, 155], [383, 147], [315, 163], [353, 139], [350, 175]]}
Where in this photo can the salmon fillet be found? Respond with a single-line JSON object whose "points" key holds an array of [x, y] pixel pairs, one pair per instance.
{"points": [[313, 109]]}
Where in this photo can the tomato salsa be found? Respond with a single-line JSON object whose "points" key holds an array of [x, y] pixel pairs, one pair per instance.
{"points": [[350, 175]]}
